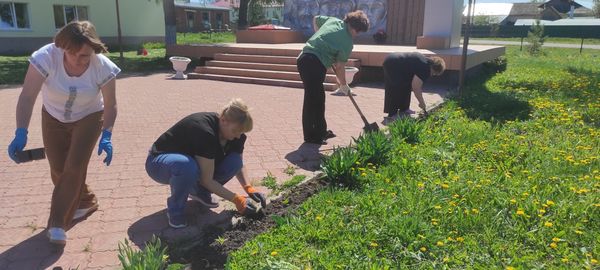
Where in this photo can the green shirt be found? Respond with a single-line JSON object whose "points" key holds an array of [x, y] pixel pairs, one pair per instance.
{"points": [[331, 43]]}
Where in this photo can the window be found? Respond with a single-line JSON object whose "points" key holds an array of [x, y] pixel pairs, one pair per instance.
{"points": [[66, 14], [13, 16]]}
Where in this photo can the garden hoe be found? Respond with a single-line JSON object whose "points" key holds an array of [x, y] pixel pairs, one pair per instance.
{"points": [[368, 127]]}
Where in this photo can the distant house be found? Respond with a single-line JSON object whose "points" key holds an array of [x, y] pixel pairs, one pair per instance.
{"points": [[198, 17], [273, 13], [26, 25], [550, 11]]}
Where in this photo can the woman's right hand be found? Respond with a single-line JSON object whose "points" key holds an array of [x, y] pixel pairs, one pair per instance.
{"points": [[243, 205], [17, 144]]}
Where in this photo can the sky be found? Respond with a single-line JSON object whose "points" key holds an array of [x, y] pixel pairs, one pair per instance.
{"points": [[586, 3]]}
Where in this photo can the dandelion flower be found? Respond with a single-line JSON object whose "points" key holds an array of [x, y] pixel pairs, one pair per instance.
{"points": [[548, 224], [437, 207], [520, 212], [460, 239], [564, 260], [513, 201], [578, 232], [274, 253], [555, 239], [594, 261], [553, 245], [439, 244], [373, 244], [423, 249]]}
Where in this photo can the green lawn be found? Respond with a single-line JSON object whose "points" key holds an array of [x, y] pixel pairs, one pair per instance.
{"points": [[587, 41], [191, 38], [505, 177]]}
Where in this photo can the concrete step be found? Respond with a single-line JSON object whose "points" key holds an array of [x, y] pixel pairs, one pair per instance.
{"points": [[257, 73], [254, 80], [261, 66], [270, 59]]}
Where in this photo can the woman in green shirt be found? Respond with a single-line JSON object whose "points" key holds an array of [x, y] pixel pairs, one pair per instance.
{"points": [[330, 46]]}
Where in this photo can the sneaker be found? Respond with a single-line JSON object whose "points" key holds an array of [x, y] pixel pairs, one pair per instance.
{"points": [[205, 199], [329, 134], [57, 236], [340, 92], [177, 222], [80, 213]]}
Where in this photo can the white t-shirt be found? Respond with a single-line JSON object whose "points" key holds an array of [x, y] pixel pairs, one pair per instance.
{"points": [[66, 98]]}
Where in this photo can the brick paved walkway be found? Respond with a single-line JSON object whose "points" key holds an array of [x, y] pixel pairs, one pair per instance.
{"points": [[131, 204]]}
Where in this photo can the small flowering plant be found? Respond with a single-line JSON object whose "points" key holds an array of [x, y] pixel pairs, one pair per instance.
{"points": [[380, 36]]}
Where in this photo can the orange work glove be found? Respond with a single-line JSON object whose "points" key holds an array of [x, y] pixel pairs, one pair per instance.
{"points": [[255, 195], [242, 204]]}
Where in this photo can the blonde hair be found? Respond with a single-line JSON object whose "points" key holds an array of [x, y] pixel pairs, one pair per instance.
{"points": [[77, 33], [437, 65], [237, 111]]}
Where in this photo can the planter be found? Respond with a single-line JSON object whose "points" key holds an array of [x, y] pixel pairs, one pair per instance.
{"points": [[350, 72], [179, 65]]}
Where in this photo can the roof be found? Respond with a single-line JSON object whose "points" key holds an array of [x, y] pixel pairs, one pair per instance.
{"points": [[562, 22], [201, 6], [521, 9], [562, 6]]}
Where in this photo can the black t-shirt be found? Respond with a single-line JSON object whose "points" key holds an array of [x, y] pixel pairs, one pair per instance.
{"points": [[407, 65], [198, 135]]}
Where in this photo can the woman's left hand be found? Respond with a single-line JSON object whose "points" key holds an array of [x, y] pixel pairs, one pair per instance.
{"points": [[106, 146], [256, 196]]}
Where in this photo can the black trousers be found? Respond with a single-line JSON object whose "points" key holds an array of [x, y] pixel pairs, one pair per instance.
{"points": [[397, 88], [312, 73]]}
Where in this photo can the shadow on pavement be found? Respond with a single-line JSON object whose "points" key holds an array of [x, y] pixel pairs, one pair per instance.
{"points": [[307, 157], [33, 253]]}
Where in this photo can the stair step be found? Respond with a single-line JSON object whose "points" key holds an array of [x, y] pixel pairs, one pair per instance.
{"points": [[271, 59], [267, 74], [261, 66], [254, 80]]}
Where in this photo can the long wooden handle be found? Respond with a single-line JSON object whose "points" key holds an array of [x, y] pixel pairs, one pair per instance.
{"points": [[362, 116]]}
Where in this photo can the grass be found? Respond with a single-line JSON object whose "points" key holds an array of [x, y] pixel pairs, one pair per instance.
{"points": [[14, 68], [505, 177], [577, 41], [191, 38]]}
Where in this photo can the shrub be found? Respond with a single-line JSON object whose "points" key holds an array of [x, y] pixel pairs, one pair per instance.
{"points": [[372, 147], [339, 167], [406, 128], [153, 256]]}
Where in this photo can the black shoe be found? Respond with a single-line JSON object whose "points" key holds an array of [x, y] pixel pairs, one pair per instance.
{"points": [[318, 141], [329, 134]]}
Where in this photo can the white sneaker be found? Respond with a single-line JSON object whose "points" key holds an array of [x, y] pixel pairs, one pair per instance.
{"points": [[79, 213], [57, 236]]}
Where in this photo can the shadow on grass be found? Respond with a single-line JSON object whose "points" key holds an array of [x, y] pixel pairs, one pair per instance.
{"points": [[479, 103]]}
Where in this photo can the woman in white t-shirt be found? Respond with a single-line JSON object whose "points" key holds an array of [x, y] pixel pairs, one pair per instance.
{"points": [[78, 93]]}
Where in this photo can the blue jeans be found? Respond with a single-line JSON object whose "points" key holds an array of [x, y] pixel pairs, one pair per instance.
{"points": [[182, 173]]}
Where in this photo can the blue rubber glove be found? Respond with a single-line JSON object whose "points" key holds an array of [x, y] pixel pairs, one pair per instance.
{"points": [[106, 146], [18, 143]]}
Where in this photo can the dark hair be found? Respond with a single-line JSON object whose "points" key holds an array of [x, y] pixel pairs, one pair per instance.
{"points": [[77, 33], [437, 65], [357, 20]]}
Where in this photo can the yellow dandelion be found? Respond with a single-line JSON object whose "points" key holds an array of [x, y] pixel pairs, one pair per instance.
{"points": [[520, 212], [445, 259], [444, 186], [513, 201], [548, 224], [553, 245], [421, 236], [594, 261], [319, 218], [555, 239], [460, 239], [564, 260], [475, 211], [510, 268], [439, 244], [274, 253], [437, 207], [373, 244], [578, 232], [542, 211], [423, 249]]}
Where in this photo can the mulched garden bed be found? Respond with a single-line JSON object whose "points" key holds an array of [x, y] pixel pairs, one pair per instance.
{"points": [[210, 254]]}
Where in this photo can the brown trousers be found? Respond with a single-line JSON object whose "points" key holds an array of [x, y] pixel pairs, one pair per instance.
{"points": [[68, 148]]}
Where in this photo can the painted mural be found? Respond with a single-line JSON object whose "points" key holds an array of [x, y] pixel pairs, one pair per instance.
{"points": [[298, 14]]}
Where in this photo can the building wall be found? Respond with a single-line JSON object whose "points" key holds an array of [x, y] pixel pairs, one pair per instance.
{"points": [[198, 24], [141, 20]]}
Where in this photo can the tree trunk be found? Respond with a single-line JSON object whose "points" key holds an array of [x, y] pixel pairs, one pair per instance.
{"points": [[243, 15], [170, 22]]}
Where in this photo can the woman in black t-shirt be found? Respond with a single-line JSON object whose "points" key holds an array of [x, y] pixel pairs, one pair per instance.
{"points": [[405, 72], [198, 155]]}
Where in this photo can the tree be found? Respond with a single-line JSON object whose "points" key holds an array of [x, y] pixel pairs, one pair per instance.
{"points": [[536, 38], [597, 8], [244, 4]]}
